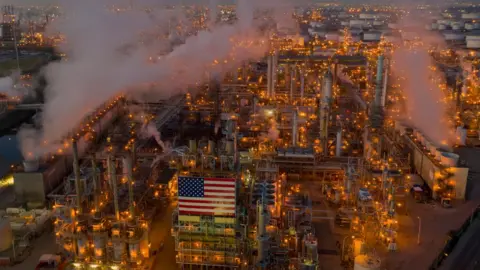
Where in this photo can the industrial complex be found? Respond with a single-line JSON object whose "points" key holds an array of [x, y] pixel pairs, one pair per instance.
{"points": [[309, 157]]}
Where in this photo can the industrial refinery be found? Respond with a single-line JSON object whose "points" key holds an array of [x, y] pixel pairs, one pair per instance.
{"points": [[349, 142]]}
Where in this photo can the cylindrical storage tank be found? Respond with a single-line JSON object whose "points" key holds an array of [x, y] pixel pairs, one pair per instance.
{"points": [[211, 147], [378, 23], [457, 26], [6, 234], [449, 159], [372, 36], [118, 250], [366, 262], [31, 165], [356, 22], [133, 251], [473, 41], [471, 16], [453, 36], [442, 27], [192, 145], [332, 36], [99, 247], [367, 16], [82, 246], [468, 26], [434, 26], [344, 23], [229, 147]]}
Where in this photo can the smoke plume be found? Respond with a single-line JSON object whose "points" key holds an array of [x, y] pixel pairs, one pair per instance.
{"points": [[273, 132], [426, 106], [6, 85]]}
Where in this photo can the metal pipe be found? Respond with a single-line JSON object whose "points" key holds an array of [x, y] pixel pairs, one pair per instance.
{"points": [[302, 85], [113, 181], [76, 171], [130, 181], [338, 148], [385, 85], [95, 183], [294, 128]]}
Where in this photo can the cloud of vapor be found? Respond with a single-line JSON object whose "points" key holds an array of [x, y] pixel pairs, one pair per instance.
{"points": [[426, 107], [6, 85], [106, 56], [273, 132]]}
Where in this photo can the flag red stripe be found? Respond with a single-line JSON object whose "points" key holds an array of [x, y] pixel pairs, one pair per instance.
{"points": [[218, 185], [220, 179], [205, 213], [216, 208], [205, 201], [220, 196]]}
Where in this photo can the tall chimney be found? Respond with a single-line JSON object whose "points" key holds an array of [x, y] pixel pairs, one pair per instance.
{"points": [[338, 148], [302, 84], [379, 80], [293, 82], [76, 171], [294, 128], [269, 75], [113, 181], [325, 104], [95, 183], [130, 181]]}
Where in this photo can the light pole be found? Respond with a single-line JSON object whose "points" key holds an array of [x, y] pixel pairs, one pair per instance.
{"points": [[419, 230], [343, 246]]}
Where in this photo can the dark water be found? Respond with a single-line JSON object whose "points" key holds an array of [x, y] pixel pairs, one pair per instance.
{"points": [[9, 153]]}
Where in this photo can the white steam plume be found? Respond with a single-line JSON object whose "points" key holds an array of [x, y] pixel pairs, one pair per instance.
{"points": [[425, 101], [273, 132], [6, 85], [105, 58]]}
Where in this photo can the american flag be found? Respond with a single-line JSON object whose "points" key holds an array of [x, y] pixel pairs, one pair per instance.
{"points": [[206, 196]]}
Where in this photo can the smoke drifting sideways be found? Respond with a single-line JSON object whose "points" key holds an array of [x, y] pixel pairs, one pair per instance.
{"points": [[426, 108], [106, 57]]}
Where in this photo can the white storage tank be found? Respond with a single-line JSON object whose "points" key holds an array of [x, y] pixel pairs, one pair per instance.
{"points": [[469, 26], [6, 234], [442, 27], [473, 41], [457, 25], [378, 23], [344, 23], [372, 36], [368, 16], [357, 22], [366, 262], [332, 36], [471, 16], [434, 26], [453, 36]]}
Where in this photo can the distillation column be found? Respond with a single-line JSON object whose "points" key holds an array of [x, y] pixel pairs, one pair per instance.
{"points": [[293, 81], [325, 108], [262, 236], [338, 147], [302, 84], [294, 128], [378, 83], [113, 181]]}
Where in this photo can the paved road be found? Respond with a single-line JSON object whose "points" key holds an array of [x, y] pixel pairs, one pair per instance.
{"points": [[161, 226], [45, 244]]}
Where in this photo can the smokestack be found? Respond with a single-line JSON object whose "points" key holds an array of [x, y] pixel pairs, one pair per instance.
{"points": [[294, 128], [325, 104], [113, 181], [338, 148], [131, 204], [379, 80], [302, 85], [31, 165], [230, 148], [76, 171], [95, 183], [293, 82], [211, 147], [269, 75], [274, 72], [385, 85], [192, 145]]}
